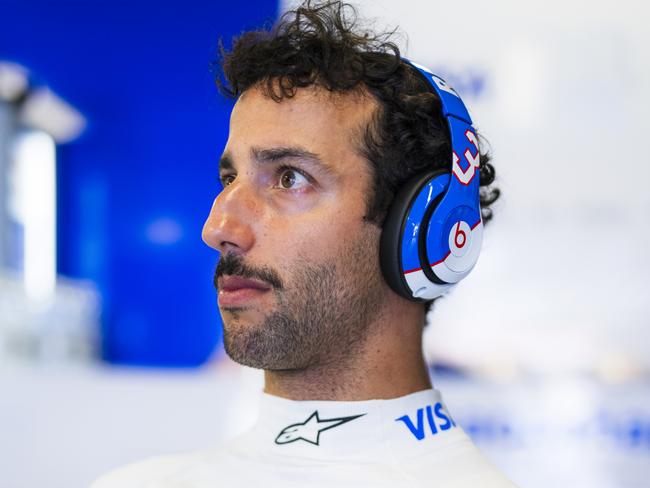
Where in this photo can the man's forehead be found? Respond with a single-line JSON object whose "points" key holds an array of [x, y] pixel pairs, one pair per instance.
{"points": [[315, 120], [315, 91], [309, 107]]}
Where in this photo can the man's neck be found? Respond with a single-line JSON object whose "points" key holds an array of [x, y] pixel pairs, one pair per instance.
{"points": [[388, 365]]}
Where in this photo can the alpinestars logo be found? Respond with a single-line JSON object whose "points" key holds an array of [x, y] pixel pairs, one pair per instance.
{"points": [[310, 429]]}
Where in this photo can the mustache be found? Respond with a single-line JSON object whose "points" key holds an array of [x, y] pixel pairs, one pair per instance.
{"points": [[233, 264]]}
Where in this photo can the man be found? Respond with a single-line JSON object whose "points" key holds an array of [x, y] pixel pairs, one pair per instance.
{"points": [[329, 126]]}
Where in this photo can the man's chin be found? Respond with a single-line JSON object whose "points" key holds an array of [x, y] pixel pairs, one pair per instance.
{"points": [[242, 338], [248, 350], [261, 341]]}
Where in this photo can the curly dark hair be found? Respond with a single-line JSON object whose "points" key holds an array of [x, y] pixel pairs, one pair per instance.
{"points": [[320, 43]]}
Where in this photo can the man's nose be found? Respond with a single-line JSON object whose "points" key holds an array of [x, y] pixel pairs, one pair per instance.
{"points": [[228, 228]]}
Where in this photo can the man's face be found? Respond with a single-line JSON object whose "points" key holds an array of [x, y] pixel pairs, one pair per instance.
{"points": [[299, 280]]}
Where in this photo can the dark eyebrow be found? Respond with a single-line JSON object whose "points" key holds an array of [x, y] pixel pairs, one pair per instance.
{"points": [[274, 154], [226, 162], [277, 153]]}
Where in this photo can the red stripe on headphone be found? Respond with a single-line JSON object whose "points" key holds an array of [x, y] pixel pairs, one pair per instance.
{"points": [[441, 260], [412, 270], [438, 262], [432, 265]]}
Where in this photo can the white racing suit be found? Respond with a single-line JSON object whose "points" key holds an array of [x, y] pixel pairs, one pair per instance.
{"points": [[411, 441]]}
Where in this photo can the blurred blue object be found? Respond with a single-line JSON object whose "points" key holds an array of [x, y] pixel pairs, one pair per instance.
{"points": [[134, 189]]}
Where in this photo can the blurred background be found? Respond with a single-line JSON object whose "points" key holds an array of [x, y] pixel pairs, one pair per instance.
{"points": [[110, 133]]}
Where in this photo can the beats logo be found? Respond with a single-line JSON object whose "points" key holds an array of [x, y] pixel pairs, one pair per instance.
{"points": [[460, 238], [467, 175]]}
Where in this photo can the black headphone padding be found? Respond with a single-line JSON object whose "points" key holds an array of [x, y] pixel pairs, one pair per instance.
{"points": [[390, 245], [422, 241]]}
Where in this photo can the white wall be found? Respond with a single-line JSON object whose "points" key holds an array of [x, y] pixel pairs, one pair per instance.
{"points": [[561, 284]]}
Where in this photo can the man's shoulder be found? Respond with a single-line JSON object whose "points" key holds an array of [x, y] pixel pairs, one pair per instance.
{"points": [[148, 472], [159, 471], [460, 465]]}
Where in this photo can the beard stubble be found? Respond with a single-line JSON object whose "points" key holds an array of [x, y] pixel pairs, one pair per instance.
{"points": [[323, 313]]}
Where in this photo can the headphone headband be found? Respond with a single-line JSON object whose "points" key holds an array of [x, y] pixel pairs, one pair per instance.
{"points": [[452, 105], [434, 227]]}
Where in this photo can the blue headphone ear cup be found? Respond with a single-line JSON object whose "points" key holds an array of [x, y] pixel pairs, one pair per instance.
{"points": [[390, 246]]}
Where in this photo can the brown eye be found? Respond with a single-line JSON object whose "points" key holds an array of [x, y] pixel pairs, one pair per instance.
{"points": [[227, 180], [288, 179], [291, 179]]}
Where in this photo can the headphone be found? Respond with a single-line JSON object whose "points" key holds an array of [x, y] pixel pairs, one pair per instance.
{"points": [[433, 231]]}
